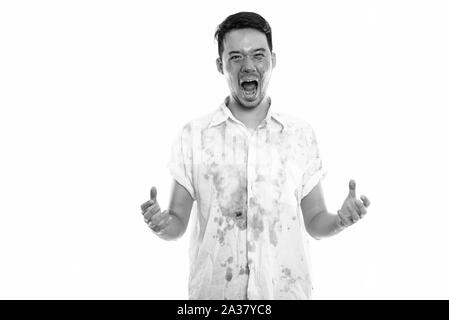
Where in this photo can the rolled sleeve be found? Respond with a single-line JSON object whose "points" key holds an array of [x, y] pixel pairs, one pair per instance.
{"points": [[180, 164], [315, 171]]}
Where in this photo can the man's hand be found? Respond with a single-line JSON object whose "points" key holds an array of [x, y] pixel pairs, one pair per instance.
{"points": [[353, 209], [152, 215]]}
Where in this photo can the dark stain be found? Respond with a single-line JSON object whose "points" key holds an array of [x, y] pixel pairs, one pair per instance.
{"points": [[229, 226], [228, 275], [230, 186], [244, 270], [256, 225], [241, 222], [287, 272], [220, 235]]}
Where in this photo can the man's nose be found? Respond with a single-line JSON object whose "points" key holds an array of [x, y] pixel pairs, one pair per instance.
{"points": [[248, 65]]}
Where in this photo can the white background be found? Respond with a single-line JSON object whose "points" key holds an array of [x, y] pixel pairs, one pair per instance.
{"points": [[92, 94]]}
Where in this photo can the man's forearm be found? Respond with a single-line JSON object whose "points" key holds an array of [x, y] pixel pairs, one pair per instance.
{"points": [[324, 225], [174, 230]]}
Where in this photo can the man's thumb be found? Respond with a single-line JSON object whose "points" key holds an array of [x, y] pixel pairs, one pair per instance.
{"points": [[352, 188], [153, 193]]}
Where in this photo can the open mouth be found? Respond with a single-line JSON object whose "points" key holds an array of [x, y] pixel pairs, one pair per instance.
{"points": [[249, 87]]}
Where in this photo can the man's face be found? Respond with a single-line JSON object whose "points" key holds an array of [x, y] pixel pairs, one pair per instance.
{"points": [[246, 64]]}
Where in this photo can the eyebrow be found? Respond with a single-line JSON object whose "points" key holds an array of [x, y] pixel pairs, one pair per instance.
{"points": [[255, 50]]}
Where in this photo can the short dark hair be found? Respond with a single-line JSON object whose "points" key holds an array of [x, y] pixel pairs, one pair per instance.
{"points": [[242, 20]]}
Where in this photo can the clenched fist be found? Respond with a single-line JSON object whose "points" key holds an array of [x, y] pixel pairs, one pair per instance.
{"points": [[353, 209], [152, 215]]}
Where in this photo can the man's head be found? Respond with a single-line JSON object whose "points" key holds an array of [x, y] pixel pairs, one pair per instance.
{"points": [[245, 57]]}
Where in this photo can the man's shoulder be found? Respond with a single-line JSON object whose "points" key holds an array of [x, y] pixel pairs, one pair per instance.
{"points": [[199, 123], [292, 122]]}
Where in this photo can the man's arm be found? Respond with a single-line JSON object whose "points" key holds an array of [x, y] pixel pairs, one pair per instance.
{"points": [[171, 223], [320, 223]]}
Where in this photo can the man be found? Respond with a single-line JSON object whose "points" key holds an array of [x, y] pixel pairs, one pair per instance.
{"points": [[255, 176]]}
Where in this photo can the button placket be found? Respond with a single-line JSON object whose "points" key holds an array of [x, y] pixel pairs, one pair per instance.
{"points": [[252, 145]]}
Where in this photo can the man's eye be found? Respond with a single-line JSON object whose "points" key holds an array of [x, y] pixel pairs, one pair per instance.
{"points": [[259, 56], [235, 57]]}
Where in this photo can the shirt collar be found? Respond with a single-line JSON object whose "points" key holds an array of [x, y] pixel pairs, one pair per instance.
{"points": [[274, 121]]}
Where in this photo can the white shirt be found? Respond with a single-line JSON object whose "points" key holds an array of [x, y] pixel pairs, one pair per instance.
{"points": [[248, 239]]}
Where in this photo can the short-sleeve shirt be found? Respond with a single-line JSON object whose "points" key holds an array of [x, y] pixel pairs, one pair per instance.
{"points": [[248, 238]]}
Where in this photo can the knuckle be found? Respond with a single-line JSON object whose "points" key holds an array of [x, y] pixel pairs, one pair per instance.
{"points": [[146, 205], [162, 225], [155, 220], [153, 226]]}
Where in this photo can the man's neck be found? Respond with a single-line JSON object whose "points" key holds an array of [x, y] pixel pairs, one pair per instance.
{"points": [[250, 117]]}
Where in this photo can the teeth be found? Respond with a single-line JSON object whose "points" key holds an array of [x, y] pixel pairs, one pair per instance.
{"points": [[249, 80]]}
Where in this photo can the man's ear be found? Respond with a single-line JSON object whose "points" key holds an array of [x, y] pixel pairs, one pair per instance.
{"points": [[219, 65], [273, 59]]}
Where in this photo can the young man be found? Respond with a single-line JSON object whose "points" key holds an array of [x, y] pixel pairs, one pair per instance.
{"points": [[255, 176]]}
